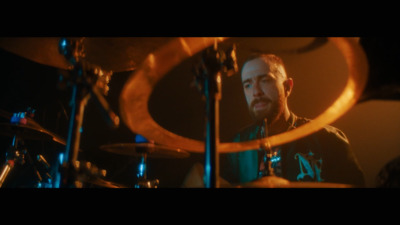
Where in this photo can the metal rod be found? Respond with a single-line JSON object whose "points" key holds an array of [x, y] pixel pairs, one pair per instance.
{"points": [[9, 165], [142, 168], [211, 168], [6, 170], [266, 148], [79, 100]]}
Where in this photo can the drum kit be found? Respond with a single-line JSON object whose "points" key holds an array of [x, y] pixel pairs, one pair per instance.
{"points": [[90, 64]]}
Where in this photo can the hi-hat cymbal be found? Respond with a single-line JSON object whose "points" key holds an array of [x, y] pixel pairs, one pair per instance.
{"points": [[151, 150], [136, 93], [278, 182], [117, 54]]}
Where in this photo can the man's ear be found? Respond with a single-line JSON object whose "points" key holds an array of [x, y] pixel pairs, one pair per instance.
{"points": [[288, 85]]}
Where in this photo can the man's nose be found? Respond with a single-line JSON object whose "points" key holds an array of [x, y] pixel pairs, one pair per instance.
{"points": [[257, 91]]}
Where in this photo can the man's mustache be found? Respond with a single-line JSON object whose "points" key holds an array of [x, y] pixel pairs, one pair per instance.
{"points": [[259, 100]]}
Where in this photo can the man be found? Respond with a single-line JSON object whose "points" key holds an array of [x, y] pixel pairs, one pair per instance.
{"points": [[324, 156]]}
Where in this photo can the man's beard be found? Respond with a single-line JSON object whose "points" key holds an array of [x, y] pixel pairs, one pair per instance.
{"points": [[272, 113]]}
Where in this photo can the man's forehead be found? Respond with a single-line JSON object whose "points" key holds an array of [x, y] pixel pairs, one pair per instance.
{"points": [[258, 67], [255, 67], [256, 74]]}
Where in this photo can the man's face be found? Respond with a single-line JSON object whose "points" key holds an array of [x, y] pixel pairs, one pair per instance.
{"points": [[264, 90]]}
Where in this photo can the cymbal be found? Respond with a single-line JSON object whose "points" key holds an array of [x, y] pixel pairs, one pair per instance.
{"points": [[31, 130], [117, 54], [151, 150], [278, 182], [137, 90]]}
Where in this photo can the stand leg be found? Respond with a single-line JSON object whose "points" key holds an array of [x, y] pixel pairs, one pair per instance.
{"points": [[12, 156], [6, 170]]}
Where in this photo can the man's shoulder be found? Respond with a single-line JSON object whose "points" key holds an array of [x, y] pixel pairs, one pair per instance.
{"points": [[326, 131]]}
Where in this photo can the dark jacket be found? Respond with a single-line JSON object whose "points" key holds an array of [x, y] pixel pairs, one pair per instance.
{"points": [[324, 156]]}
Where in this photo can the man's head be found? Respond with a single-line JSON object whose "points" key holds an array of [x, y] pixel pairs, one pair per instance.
{"points": [[266, 87]]}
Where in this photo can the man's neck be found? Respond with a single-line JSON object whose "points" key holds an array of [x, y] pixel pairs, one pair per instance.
{"points": [[281, 125]]}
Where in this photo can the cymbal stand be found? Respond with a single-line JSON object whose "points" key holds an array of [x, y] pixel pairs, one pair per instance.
{"points": [[16, 154], [86, 80], [13, 156], [143, 182], [209, 82]]}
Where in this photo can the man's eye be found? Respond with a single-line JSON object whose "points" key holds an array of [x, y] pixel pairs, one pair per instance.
{"points": [[247, 85]]}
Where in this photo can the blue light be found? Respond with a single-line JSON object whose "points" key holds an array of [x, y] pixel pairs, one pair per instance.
{"points": [[141, 169], [63, 42], [207, 169], [140, 139], [57, 180], [275, 159], [14, 141], [61, 158]]}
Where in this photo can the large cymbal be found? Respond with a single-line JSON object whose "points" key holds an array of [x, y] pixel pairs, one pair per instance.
{"points": [[117, 54], [151, 150], [138, 88]]}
